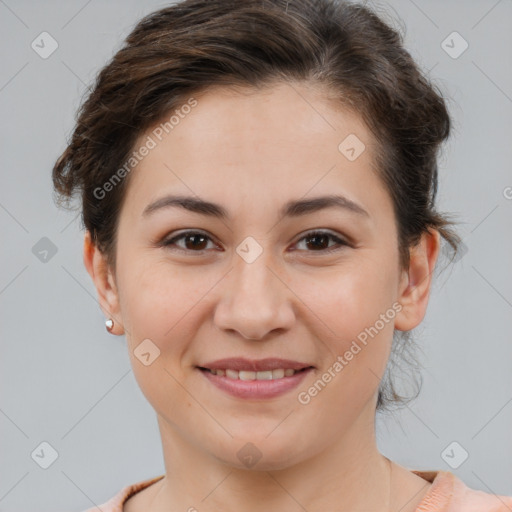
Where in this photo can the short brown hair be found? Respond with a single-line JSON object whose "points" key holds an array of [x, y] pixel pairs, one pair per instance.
{"points": [[198, 44]]}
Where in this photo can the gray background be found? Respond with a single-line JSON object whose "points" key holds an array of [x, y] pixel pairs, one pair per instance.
{"points": [[64, 380]]}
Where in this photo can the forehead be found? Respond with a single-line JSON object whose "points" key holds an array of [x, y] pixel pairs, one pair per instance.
{"points": [[277, 115], [240, 144]]}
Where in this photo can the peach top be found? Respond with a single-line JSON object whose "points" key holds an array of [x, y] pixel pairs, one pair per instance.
{"points": [[447, 494]]}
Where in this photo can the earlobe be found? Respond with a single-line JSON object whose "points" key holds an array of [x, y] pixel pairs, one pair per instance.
{"points": [[416, 282], [96, 264]]}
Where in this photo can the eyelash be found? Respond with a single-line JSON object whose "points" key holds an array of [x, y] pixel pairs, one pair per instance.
{"points": [[340, 242]]}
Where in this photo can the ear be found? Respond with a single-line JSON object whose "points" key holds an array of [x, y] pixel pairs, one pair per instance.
{"points": [[96, 264], [416, 282]]}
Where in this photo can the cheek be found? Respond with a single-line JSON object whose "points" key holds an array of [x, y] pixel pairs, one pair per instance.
{"points": [[160, 304], [154, 297], [353, 315], [346, 299]]}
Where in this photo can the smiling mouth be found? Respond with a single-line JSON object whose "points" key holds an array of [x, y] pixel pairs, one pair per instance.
{"points": [[246, 375], [256, 385], [255, 379]]}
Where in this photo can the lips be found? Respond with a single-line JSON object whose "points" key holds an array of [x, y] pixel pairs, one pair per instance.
{"points": [[241, 364], [279, 373], [255, 379]]}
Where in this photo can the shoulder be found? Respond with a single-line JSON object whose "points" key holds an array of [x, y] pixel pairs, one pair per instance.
{"points": [[449, 493], [116, 503]]}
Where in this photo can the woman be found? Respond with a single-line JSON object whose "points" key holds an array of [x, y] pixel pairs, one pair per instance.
{"points": [[258, 185]]}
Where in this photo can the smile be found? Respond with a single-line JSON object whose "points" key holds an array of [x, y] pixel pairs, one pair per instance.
{"points": [[257, 380], [248, 375]]}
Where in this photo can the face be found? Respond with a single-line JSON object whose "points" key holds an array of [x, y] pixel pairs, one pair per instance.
{"points": [[309, 283]]}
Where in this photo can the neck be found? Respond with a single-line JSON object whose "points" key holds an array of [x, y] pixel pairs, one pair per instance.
{"points": [[347, 475]]}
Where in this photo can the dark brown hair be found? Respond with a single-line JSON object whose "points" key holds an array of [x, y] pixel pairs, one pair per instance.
{"points": [[194, 45]]}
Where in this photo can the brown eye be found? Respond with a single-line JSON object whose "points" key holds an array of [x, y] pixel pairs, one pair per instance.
{"points": [[318, 241], [193, 241]]}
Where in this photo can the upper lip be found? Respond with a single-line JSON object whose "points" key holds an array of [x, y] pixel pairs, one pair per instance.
{"points": [[255, 365]]}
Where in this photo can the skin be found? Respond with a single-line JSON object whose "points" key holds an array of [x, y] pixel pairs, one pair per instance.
{"points": [[252, 151]]}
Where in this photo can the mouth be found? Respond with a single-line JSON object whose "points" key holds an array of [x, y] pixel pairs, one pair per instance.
{"points": [[278, 373], [255, 379]]}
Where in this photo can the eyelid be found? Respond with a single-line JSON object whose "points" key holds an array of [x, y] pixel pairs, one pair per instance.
{"points": [[322, 231], [166, 241], [340, 240]]}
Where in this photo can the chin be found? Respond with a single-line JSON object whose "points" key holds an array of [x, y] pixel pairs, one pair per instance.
{"points": [[261, 452]]}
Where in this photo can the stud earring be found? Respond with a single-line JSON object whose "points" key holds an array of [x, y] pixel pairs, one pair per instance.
{"points": [[109, 324]]}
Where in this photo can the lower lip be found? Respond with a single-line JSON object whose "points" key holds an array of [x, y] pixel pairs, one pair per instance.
{"points": [[256, 389]]}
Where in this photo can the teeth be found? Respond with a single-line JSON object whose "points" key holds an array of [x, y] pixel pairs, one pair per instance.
{"points": [[231, 374], [267, 375], [248, 375], [279, 374]]}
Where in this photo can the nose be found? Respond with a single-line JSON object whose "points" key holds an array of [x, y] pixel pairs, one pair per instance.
{"points": [[254, 300]]}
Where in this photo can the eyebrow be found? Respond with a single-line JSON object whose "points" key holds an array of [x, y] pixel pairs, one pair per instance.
{"points": [[294, 208]]}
